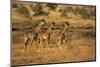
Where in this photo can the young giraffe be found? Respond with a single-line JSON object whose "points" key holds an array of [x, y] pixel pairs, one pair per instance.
{"points": [[61, 34], [32, 35], [45, 34]]}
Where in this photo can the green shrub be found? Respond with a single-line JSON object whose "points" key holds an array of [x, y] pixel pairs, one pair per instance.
{"points": [[52, 6], [23, 11], [14, 5], [64, 12], [38, 9]]}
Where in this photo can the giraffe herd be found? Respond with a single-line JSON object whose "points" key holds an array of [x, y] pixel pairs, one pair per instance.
{"points": [[42, 37]]}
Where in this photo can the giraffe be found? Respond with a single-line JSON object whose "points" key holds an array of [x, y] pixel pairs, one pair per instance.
{"points": [[44, 35], [60, 36], [32, 34]]}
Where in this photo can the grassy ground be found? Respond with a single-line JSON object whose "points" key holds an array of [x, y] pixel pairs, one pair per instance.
{"points": [[80, 46]]}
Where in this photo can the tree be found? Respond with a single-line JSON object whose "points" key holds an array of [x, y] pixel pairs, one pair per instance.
{"points": [[93, 12], [84, 13], [23, 11], [76, 10], [14, 5], [51, 6], [38, 9], [63, 12]]}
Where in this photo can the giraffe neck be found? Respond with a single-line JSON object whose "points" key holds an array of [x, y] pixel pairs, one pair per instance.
{"points": [[49, 28], [65, 26], [37, 28], [63, 30]]}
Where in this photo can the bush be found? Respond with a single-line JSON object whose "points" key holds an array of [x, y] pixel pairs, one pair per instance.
{"points": [[38, 9], [23, 11], [14, 5], [93, 12], [76, 11], [86, 13], [52, 6], [64, 12]]}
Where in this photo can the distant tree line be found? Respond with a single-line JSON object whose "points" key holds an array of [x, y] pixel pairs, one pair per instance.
{"points": [[84, 12]]}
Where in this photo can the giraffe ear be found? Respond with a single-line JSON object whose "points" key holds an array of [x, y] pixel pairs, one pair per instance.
{"points": [[67, 23], [53, 22], [43, 20]]}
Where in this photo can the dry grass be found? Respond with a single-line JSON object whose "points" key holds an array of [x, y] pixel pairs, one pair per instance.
{"points": [[78, 48]]}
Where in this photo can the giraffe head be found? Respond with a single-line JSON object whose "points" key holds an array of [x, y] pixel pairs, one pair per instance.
{"points": [[42, 21], [53, 22], [67, 23]]}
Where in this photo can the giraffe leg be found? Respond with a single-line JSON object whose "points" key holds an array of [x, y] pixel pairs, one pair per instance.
{"points": [[31, 41], [37, 44], [59, 44], [25, 46], [56, 42], [46, 45], [26, 42], [41, 40], [46, 42], [36, 38], [66, 41], [49, 36]]}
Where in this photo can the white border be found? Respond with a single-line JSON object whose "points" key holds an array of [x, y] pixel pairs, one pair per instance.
{"points": [[5, 33], [85, 2]]}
